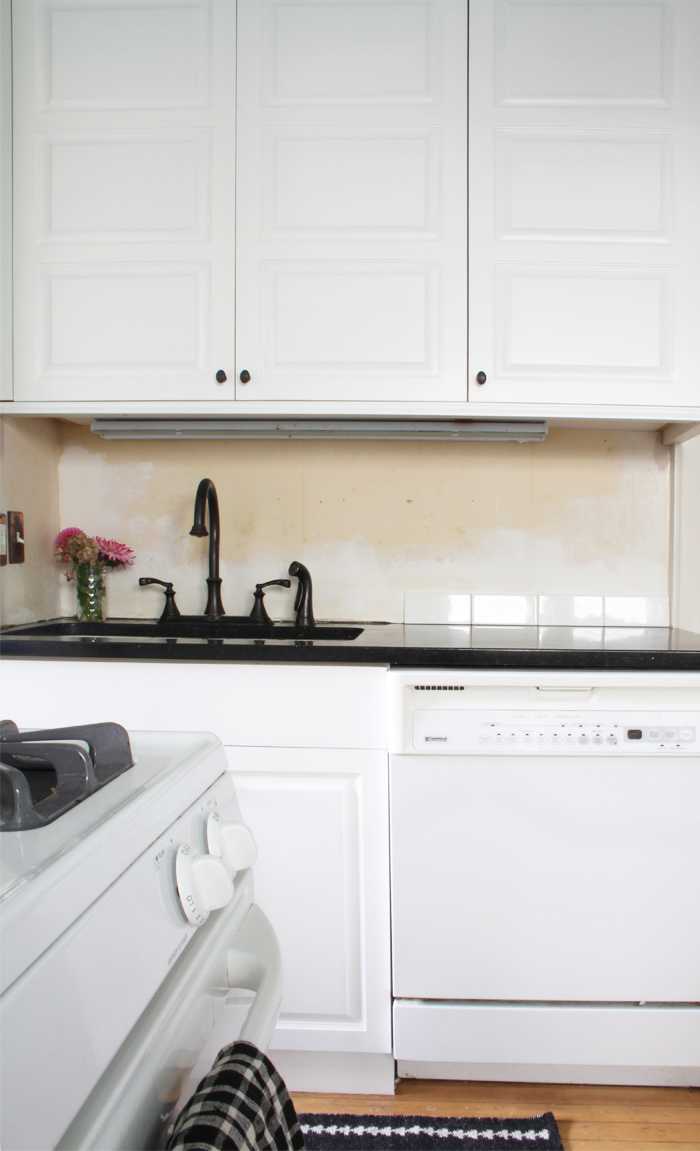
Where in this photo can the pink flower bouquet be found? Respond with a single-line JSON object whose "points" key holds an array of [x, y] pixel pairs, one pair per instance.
{"points": [[88, 559]]}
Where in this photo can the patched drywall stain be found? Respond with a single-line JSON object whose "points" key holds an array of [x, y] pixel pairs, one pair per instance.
{"points": [[586, 512], [113, 488]]}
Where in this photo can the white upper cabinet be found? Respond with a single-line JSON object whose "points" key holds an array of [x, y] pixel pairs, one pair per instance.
{"points": [[343, 128], [351, 171], [124, 205], [584, 192]]}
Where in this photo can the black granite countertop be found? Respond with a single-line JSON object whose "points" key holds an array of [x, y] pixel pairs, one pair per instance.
{"points": [[392, 644]]}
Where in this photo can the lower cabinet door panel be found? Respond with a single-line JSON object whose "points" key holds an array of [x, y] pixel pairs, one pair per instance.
{"points": [[320, 819]]}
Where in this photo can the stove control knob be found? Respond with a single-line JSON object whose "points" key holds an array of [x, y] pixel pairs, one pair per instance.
{"points": [[203, 884], [232, 842]]}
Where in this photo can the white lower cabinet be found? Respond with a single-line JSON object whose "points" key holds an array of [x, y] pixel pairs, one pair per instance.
{"points": [[320, 818], [308, 748]]}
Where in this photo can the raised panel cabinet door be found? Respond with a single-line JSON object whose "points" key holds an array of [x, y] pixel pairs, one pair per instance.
{"points": [[124, 207], [320, 819], [584, 184], [351, 209]]}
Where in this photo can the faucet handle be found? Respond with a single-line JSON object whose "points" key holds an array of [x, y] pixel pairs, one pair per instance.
{"points": [[171, 610], [259, 612]]}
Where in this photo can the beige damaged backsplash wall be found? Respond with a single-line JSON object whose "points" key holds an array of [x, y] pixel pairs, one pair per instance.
{"points": [[585, 512], [30, 452]]}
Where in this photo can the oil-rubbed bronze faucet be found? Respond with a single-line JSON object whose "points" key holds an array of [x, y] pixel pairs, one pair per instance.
{"points": [[303, 604], [206, 494]]}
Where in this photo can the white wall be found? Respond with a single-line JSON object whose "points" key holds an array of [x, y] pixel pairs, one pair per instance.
{"points": [[686, 597], [30, 454], [585, 512]]}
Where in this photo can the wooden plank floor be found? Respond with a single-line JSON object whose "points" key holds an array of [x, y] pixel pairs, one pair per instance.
{"points": [[589, 1118]]}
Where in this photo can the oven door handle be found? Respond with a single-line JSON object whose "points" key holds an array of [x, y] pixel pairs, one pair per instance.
{"points": [[125, 1108], [255, 963]]}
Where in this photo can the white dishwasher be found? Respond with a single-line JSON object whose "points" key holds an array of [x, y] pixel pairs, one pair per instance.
{"points": [[545, 845]]}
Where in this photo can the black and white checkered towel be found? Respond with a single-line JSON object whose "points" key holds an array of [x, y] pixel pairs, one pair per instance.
{"points": [[241, 1105]]}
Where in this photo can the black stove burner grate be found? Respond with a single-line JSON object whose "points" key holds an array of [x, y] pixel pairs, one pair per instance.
{"points": [[41, 779]]}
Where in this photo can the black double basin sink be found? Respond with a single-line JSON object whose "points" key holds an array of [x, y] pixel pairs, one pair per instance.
{"points": [[185, 627]]}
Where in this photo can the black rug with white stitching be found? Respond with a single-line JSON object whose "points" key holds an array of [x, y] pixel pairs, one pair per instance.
{"points": [[426, 1133]]}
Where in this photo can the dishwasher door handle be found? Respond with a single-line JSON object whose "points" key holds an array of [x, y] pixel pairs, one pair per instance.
{"points": [[566, 692]]}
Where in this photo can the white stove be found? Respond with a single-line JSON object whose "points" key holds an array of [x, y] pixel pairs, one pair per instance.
{"points": [[100, 910]]}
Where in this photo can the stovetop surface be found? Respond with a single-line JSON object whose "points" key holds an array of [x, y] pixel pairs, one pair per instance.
{"points": [[25, 855]]}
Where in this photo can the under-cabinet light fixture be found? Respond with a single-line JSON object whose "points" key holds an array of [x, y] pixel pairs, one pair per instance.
{"points": [[522, 431]]}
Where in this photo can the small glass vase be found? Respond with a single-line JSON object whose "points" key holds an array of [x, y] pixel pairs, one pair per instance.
{"points": [[91, 590]]}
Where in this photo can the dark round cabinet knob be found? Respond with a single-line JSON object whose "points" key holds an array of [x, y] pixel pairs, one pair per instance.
{"points": [[481, 377], [244, 376], [221, 376]]}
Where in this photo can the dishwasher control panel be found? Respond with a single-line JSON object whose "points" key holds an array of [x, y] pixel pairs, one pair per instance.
{"points": [[473, 732]]}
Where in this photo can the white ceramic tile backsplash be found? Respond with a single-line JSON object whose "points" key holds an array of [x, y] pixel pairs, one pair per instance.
{"points": [[429, 607], [636, 611], [504, 609], [570, 611]]}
